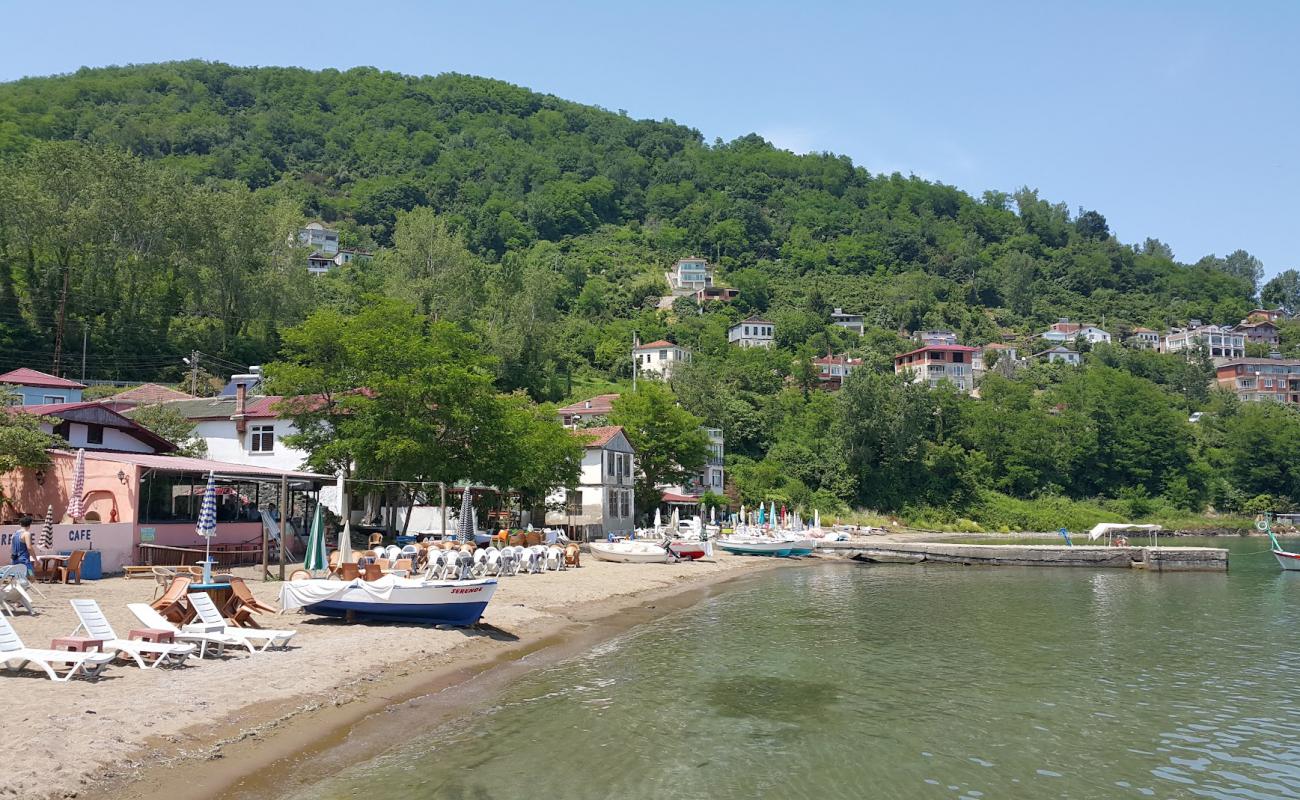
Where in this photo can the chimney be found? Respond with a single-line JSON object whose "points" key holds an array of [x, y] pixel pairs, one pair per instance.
{"points": [[241, 400]]}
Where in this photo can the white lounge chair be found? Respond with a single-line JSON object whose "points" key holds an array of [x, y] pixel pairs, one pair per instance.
{"points": [[95, 624], [210, 619], [15, 655], [13, 589], [203, 638]]}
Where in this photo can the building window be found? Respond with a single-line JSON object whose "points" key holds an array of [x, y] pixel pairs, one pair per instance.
{"points": [[54, 399], [609, 463], [63, 429], [624, 511], [262, 439], [573, 502], [94, 434]]}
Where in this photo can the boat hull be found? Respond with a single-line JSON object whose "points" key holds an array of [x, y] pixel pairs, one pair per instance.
{"points": [[688, 550], [622, 555], [773, 549], [1288, 561], [458, 603]]}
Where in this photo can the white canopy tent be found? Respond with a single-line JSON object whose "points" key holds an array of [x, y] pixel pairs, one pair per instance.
{"points": [[1109, 529]]}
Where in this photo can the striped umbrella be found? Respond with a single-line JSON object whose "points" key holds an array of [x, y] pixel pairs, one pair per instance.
{"points": [[316, 559], [465, 522], [78, 486], [47, 530], [207, 527]]}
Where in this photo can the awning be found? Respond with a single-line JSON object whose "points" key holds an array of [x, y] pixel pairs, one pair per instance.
{"points": [[1106, 528], [687, 499], [200, 465]]}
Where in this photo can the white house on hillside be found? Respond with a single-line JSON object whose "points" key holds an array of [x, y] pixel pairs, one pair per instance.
{"points": [[660, 358], [602, 503], [1060, 354], [318, 237], [1218, 341], [243, 429], [1066, 331], [690, 275], [753, 332], [854, 323]]}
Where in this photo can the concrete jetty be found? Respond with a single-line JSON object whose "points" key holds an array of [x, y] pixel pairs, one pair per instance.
{"points": [[1155, 559]]}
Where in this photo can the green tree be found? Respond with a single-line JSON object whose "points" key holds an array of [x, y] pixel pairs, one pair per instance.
{"points": [[173, 426], [670, 443]]}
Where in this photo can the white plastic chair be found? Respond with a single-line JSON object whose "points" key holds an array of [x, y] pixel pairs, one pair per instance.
{"points": [[152, 619], [211, 620], [96, 625], [13, 589]]}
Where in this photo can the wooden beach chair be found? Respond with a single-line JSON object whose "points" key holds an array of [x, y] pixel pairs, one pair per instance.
{"points": [[374, 572], [348, 571], [172, 603], [244, 604]]}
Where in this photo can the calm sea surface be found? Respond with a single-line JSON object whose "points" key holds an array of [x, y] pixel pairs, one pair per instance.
{"points": [[847, 681]]}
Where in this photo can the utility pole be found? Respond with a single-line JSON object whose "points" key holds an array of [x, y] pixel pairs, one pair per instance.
{"points": [[85, 337], [284, 519], [58, 333], [194, 377], [442, 502], [636, 342]]}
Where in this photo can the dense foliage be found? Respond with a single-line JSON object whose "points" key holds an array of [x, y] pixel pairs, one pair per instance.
{"points": [[151, 209]]}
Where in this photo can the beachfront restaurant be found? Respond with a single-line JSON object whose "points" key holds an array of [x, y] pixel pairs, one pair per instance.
{"points": [[143, 509]]}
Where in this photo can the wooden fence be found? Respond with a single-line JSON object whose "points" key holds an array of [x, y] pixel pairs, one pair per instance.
{"points": [[158, 555]]}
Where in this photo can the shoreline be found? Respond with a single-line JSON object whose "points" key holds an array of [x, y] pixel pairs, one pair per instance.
{"points": [[255, 749]]}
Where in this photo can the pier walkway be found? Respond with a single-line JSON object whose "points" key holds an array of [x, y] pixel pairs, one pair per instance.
{"points": [[1155, 559]]}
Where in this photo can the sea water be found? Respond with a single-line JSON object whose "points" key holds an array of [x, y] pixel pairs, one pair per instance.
{"points": [[900, 681]]}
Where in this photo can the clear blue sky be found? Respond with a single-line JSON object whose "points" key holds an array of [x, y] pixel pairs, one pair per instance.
{"points": [[1177, 119]]}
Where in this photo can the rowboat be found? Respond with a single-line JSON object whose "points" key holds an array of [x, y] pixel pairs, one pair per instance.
{"points": [[629, 552], [688, 549], [459, 603], [754, 547], [1286, 560], [800, 546]]}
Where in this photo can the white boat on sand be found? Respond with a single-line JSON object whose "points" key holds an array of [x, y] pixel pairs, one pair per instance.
{"points": [[629, 551], [458, 603]]}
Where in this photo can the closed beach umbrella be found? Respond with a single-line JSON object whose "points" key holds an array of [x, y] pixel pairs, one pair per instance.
{"points": [[345, 535], [771, 514], [316, 559], [659, 523], [674, 521], [207, 527], [817, 519], [465, 522], [78, 486], [46, 540]]}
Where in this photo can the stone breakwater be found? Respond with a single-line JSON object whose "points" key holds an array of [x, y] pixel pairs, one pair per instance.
{"points": [[1155, 559]]}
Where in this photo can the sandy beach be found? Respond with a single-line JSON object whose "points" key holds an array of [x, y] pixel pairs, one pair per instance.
{"points": [[81, 737]]}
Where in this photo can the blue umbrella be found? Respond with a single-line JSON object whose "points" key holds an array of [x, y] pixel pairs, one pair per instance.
{"points": [[207, 527]]}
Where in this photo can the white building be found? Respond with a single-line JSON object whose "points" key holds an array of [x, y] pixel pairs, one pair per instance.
{"points": [[690, 275], [855, 323], [1218, 341], [92, 426], [243, 429], [659, 359], [318, 237], [753, 332], [1060, 354], [936, 338], [602, 503], [1143, 339], [1066, 331]]}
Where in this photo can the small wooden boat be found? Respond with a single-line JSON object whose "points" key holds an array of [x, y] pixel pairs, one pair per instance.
{"points": [[689, 549], [629, 552], [1286, 560]]}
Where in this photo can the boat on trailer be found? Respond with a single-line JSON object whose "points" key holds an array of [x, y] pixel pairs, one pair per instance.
{"points": [[393, 599]]}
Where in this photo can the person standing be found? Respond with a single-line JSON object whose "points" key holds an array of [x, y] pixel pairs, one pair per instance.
{"points": [[23, 549]]}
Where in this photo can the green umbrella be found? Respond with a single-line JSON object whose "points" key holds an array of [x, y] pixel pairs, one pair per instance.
{"points": [[316, 559]]}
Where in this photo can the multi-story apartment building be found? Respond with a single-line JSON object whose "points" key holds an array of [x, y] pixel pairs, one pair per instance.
{"points": [[1260, 332], [832, 370], [1261, 379], [933, 365], [602, 502], [1218, 341], [691, 274]]}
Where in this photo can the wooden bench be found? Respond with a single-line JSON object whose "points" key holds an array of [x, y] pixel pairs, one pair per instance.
{"points": [[141, 572]]}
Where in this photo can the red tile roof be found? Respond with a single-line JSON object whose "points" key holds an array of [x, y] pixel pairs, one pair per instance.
{"points": [[30, 377], [599, 437], [147, 394], [840, 360], [660, 343], [600, 404]]}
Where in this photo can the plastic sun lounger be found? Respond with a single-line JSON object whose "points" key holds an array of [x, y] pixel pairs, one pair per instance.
{"points": [[203, 638], [96, 626], [210, 619], [13, 651]]}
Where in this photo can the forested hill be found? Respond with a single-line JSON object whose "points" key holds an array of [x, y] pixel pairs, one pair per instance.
{"points": [[161, 193]]}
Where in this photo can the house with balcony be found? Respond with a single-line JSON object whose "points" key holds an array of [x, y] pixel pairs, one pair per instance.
{"points": [[243, 428], [853, 323], [689, 275], [716, 294], [753, 332], [318, 237], [1143, 339], [1218, 341], [985, 358], [659, 359], [602, 502], [29, 387], [1258, 332], [1267, 315], [935, 364], [832, 370], [1064, 331], [1255, 380]]}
